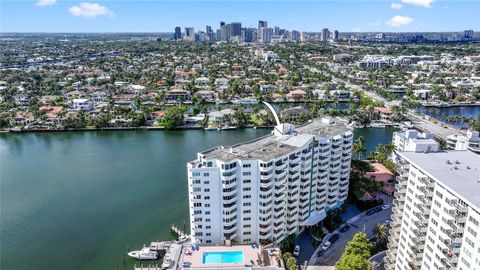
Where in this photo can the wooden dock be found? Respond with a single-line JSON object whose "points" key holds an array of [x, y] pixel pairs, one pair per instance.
{"points": [[176, 230], [148, 267]]}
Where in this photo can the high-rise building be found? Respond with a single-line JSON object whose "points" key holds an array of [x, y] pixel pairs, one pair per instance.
{"points": [[262, 24], [468, 34], [335, 36], [249, 34], [189, 34], [235, 29], [413, 141], [208, 29], [271, 187], [324, 36], [178, 33], [436, 212], [264, 34], [295, 36], [276, 30]]}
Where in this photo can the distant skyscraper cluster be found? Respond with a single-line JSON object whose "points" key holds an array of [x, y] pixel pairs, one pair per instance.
{"points": [[234, 33]]}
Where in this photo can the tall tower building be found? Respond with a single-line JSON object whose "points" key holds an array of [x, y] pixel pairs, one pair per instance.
{"points": [[436, 212], [271, 187], [178, 33], [335, 36], [189, 34], [265, 34], [235, 29], [324, 35]]}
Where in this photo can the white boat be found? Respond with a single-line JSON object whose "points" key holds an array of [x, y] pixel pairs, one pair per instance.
{"points": [[211, 128], [144, 254], [229, 128], [245, 101]]}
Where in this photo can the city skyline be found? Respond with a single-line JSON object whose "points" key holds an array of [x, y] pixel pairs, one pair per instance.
{"points": [[155, 16]]}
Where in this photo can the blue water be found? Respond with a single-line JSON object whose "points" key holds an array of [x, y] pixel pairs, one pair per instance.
{"points": [[223, 257]]}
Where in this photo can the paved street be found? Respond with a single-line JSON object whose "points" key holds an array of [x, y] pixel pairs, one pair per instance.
{"points": [[364, 223]]}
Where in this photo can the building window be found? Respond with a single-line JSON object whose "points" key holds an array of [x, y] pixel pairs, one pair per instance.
{"points": [[206, 174]]}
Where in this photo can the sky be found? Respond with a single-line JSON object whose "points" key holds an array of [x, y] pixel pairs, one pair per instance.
{"points": [[310, 16]]}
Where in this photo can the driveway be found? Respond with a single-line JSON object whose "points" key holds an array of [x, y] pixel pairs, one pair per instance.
{"points": [[304, 240], [362, 224]]}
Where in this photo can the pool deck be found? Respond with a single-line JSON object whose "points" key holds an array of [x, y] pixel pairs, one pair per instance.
{"points": [[251, 257]]}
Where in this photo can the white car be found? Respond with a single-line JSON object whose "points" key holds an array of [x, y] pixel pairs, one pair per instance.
{"points": [[385, 206], [387, 222], [296, 251], [326, 245]]}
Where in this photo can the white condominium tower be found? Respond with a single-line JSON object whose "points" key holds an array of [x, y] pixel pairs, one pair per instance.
{"points": [[269, 188], [436, 213]]}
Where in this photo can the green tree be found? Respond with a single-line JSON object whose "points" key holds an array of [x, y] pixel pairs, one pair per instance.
{"points": [[356, 254], [173, 117], [359, 148]]}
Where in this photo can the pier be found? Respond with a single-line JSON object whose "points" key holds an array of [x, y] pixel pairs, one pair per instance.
{"points": [[149, 267], [176, 230]]}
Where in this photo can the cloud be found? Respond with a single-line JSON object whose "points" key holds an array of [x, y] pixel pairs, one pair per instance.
{"points": [[90, 10], [423, 3], [396, 5], [374, 23], [44, 3], [397, 21]]}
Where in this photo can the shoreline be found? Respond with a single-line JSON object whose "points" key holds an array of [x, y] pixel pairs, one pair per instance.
{"points": [[147, 128]]}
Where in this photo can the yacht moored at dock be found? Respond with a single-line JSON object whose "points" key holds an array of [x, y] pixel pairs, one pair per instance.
{"points": [[144, 254]]}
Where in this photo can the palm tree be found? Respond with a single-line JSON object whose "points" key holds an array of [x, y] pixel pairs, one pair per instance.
{"points": [[381, 232], [358, 147]]}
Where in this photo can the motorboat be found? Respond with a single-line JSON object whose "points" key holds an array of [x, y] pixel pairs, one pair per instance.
{"points": [[229, 127], [144, 254], [211, 128], [245, 101]]}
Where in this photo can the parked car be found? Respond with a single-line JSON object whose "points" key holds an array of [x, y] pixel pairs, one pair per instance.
{"points": [[370, 212], [385, 206], [333, 238], [387, 222], [326, 245], [345, 228], [320, 252], [296, 251], [378, 209]]}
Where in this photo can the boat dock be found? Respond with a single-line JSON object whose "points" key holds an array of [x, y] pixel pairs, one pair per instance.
{"points": [[176, 230], [149, 267], [159, 246]]}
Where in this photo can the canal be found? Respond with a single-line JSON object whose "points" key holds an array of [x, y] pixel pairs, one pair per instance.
{"points": [[80, 200]]}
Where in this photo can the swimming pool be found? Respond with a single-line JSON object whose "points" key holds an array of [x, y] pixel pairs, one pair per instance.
{"points": [[232, 257]]}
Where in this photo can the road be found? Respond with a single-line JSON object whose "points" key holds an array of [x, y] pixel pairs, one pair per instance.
{"points": [[438, 130], [418, 119], [364, 224]]}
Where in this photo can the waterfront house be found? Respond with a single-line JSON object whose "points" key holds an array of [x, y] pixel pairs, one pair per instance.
{"points": [[218, 117], [382, 113], [221, 83], [174, 96], [76, 94], [201, 81], [98, 96], [82, 104], [123, 100], [293, 115], [296, 95], [382, 175], [22, 119], [205, 95], [52, 114]]}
